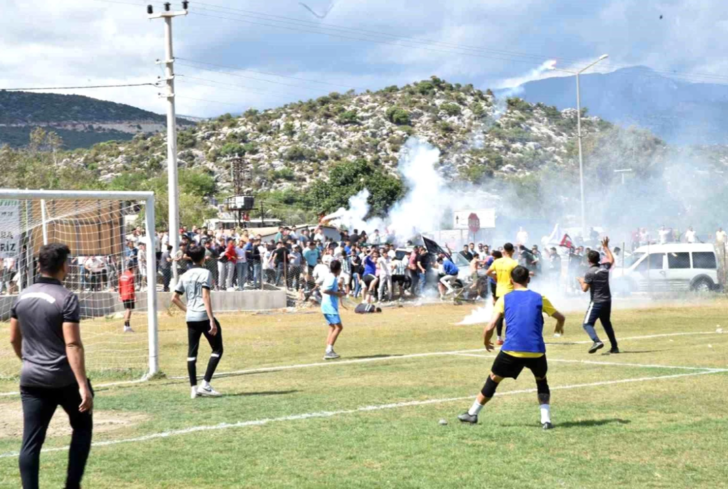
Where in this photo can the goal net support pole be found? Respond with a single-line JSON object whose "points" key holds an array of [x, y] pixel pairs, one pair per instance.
{"points": [[151, 259]]}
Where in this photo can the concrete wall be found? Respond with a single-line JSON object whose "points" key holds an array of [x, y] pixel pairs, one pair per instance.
{"points": [[98, 304]]}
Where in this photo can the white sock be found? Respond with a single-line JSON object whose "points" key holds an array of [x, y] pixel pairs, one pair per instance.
{"points": [[475, 408], [329, 348], [545, 413], [205, 384], [500, 338]]}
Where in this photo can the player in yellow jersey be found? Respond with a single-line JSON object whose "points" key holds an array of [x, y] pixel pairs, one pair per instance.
{"points": [[501, 271]]}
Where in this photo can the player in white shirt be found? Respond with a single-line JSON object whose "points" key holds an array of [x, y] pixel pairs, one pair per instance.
{"points": [[196, 285]]}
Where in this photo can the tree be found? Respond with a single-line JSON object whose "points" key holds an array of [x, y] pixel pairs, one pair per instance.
{"points": [[347, 117], [399, 116], [349, 178], [451, 109]]}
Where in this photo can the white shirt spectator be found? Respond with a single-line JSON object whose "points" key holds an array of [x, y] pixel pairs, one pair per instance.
{"points": [[664, 233], [96, 264], [522, 237], [384, 267], [320, 272], [690, 236]]}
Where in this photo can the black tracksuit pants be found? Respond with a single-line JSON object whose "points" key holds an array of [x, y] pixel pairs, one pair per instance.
{"points": [[39, 405], [603, 312], [195, 330]]}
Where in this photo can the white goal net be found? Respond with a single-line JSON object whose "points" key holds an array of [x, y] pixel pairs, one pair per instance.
{"points": [[108, 233]]}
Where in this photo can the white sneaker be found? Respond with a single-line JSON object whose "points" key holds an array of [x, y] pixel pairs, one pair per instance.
{"points": [[127, 329], [207, 391], [193, 394], [332, 355]]}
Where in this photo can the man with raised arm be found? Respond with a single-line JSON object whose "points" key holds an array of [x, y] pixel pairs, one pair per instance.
{"points": [[524, 347], [596, 282], [45, 334]]}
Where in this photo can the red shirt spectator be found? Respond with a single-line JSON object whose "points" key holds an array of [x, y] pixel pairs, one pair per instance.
{"points": [[230, 252], [126, 286]]}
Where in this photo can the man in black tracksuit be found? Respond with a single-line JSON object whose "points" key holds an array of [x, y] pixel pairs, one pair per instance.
{"points": [[596, 281], [45, 334]]}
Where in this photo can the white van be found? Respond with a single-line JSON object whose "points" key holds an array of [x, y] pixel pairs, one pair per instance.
{"points": [[668, 268]]}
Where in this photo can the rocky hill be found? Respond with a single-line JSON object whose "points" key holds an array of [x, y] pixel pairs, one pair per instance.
{"points": [[294, 146], [80, 121], [312, 156]]}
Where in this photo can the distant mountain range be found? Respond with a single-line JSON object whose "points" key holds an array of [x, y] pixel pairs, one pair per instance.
{"points": [[80, 121], [679, 112]]}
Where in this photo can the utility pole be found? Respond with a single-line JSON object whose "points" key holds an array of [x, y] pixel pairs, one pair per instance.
{"points": [[579, 136], [172, 187]]}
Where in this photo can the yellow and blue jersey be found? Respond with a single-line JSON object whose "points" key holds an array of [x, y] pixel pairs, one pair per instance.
{"points": [[523, 311]]}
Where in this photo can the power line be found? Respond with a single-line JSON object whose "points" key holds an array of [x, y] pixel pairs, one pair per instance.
{"points": [[348, 29], [234, 86], [308, 80], [390, 43], [249, 77], [78, 88], [476, 49], [210, 101], [509, 55]]}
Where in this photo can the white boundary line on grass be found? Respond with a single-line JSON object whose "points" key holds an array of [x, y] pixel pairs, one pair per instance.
{"points": [[647, 337], [611, 364], [363, 409], [384, 358]]}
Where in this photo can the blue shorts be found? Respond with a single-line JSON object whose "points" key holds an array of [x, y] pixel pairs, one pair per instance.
{"points": [[332, 319]]}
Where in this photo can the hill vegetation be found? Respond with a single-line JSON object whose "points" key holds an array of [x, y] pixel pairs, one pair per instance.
{"points": [[311, 156], [80, 121]]}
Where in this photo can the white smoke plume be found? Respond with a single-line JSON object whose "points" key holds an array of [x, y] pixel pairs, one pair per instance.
{"points": [[423, 207], [514, 86], [481, 315], [428, 202], [353, 216]]}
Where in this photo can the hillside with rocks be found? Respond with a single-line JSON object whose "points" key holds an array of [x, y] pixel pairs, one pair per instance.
{"points": [[310, 157], [293, 146]]}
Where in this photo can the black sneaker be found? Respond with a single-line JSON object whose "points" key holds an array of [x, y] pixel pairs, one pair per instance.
{"points": [[468, 418], [547, 426], [597, 345], [614, 351]]}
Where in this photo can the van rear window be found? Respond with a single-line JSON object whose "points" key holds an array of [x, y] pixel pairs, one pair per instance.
{"points": [[678, 260], [704, 260]]}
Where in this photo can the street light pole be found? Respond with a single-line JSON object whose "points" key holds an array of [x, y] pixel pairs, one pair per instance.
{"points": [[623, 172], [581, 156], [579, 137], [172, 186]]}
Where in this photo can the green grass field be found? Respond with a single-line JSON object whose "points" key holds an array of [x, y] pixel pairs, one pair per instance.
{"points": [[654, 416]]}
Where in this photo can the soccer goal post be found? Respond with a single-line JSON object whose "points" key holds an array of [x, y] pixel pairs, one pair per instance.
{"points": [[109, 234]]}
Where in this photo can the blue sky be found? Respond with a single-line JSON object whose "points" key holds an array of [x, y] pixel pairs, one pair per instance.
{"points": [[358, 44]]}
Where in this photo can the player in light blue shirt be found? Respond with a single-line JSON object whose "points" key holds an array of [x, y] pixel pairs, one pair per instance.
{"points": [[331, 294]]}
